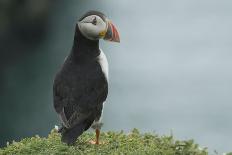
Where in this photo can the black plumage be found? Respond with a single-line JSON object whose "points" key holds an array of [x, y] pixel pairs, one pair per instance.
{"points": [[80, 88]]}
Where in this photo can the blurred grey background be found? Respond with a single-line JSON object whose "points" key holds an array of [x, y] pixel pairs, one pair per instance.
{"points": [[171, 71]]}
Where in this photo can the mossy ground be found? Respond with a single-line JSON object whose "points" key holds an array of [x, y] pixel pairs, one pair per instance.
{"points": [[133, 143]]}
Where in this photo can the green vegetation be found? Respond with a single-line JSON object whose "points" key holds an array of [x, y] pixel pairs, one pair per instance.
{"points": [[133, 143]]}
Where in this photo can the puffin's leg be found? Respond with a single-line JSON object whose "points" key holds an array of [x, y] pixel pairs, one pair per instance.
{"points": [[97, 136], [97, 127]]}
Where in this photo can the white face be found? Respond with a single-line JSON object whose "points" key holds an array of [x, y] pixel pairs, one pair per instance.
{"points": [[92, 27]]}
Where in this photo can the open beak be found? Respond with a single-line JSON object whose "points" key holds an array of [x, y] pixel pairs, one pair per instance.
{"points": [[111, 33]]}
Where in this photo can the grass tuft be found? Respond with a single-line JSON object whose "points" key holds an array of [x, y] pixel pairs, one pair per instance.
{"points": [[120, 143]]}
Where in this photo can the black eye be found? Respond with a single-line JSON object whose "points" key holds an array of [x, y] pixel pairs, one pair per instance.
{"points": [[94, 22]]}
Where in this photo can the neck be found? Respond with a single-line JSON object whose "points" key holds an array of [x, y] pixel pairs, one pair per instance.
{"points": [[84, 48]]}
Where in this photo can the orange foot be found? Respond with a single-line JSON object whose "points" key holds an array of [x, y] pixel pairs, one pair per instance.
{"points": [[95, 142]]}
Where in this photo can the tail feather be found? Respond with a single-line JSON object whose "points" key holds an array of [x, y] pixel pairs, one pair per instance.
{"points": [[69, 136]]}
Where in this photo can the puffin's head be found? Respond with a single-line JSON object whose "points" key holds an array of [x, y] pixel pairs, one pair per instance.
{"points": [[95, 25]]}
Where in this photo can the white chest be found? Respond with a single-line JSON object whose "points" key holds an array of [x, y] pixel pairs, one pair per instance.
{"points": [[102, 60]]}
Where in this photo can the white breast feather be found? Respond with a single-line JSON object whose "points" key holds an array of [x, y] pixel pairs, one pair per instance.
{"points": [[104, 63]]}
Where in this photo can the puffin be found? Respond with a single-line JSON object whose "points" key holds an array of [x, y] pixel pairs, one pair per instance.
{"points": [[80, 86]]}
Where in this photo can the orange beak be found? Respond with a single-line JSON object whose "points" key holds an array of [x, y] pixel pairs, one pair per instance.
{"points": [[111, 33]]}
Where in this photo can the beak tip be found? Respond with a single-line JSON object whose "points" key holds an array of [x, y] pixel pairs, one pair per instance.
{"points": [[117, 40]]}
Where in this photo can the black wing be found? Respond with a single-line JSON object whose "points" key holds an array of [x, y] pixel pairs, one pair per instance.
{"points": [[79, 92]]}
